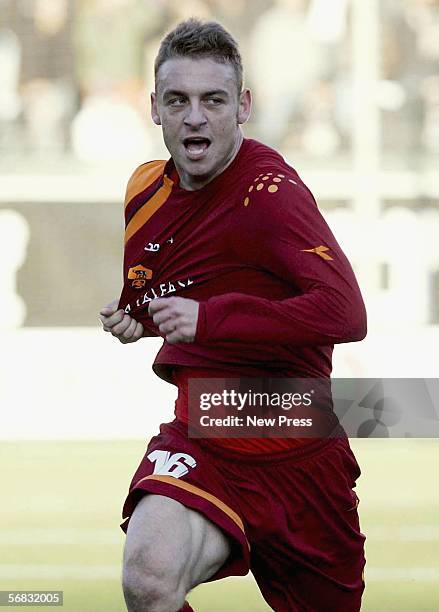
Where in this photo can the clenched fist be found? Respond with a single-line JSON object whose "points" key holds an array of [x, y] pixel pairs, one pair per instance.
{"points": [[175, 317], [120, 324]]}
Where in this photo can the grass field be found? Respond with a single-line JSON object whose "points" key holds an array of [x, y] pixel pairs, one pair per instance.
{"points": [[60, 515]]}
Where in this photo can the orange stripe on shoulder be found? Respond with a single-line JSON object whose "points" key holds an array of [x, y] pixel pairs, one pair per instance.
{"points": [[148, 209], [144, 176]]}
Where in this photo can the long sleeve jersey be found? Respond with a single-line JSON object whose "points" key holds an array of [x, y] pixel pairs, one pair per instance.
{"points": [[275, 290]]}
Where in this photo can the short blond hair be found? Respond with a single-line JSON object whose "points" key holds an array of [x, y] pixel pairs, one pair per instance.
{"points": [[193, 38]]}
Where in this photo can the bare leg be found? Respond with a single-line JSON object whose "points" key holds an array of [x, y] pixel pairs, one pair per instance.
{"points": [[169, 549]]}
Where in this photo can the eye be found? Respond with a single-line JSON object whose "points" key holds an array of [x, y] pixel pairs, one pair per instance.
{"points": [[214, 101], [176, 102]]}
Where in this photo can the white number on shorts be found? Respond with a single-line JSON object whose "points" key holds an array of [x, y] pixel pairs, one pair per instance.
{"points": [[176, 465]]}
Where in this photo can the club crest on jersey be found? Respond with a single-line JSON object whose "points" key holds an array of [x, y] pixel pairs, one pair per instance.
{"points": [[138, 276]]}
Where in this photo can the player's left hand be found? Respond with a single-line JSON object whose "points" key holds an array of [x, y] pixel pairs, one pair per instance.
{"points": [[175, 317]]}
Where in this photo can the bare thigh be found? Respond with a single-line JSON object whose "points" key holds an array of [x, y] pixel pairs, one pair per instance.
{"points": [[173, 543]]}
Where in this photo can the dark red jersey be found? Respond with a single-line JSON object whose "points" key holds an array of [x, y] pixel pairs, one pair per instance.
{"points": [[276, 291]]}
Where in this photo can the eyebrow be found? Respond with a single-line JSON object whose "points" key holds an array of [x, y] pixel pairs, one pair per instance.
{"points": [[173, 92], [215, 92]]}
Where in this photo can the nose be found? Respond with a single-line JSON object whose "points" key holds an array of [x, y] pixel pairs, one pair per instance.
{"points": [[195, 117]]}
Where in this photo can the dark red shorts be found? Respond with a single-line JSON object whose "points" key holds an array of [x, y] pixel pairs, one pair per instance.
{"points": [[291, 517]]}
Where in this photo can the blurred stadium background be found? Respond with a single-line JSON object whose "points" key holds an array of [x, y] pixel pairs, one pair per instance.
{"points": [[348, 90]]}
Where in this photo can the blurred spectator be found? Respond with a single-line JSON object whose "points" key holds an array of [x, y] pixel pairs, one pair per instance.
{"points": [[320, 138], [14, 236], [327, 21], [240, 17], [284, 63], [112, 41], [46, 106], [10, 56], [37, 55], [294, 54], [424, 18], [109, 39], [108, 129], [10, 102], [430, 127], [410, 56], [399, 70]]}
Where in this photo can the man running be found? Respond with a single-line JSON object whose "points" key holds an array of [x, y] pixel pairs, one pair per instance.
{"points": [[229, 260]]}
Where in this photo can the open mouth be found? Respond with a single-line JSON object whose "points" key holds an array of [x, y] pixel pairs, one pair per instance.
{"points": [[196, 146]]}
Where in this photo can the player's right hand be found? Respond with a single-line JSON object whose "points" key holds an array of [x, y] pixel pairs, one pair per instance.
{"points": [[119, 324]]}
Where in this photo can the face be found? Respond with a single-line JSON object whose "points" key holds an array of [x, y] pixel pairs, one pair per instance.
{"points": [[200, 111]]}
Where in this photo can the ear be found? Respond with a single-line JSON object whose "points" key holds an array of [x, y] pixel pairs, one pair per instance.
{"points": [[154, 109], [245, 106]]}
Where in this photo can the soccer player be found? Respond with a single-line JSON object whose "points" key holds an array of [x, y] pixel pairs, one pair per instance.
{"points": [[229, 260]]}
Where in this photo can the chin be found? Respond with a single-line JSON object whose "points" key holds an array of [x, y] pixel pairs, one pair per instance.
{"points": [[197, 168]]}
